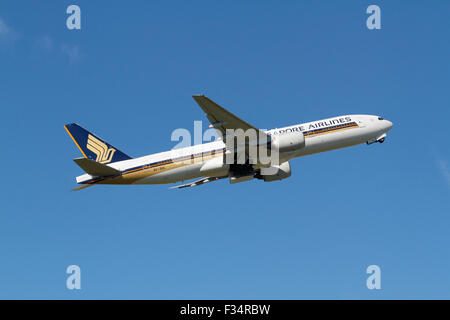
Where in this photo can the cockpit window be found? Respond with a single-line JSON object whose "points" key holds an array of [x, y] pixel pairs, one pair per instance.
{"points": [[380, 118]]}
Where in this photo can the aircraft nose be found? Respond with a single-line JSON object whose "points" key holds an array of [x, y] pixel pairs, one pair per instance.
{"points": [[389, 125]]}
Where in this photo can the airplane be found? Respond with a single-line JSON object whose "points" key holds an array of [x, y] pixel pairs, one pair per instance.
{"points": [[107, 165]]}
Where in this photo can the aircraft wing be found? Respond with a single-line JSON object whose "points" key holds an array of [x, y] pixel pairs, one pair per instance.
{"points": [[221, 119], [197, 182]]}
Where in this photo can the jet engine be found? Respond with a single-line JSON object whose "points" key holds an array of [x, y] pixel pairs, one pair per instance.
{"points": [[215, 168], [275, 173]]}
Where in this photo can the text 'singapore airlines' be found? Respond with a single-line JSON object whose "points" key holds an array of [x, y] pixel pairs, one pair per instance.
{"points": [[242, 152]]}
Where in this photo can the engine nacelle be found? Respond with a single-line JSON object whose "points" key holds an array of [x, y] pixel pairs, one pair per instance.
{"points": [[289, 141], [275, 173], [215, 168]]}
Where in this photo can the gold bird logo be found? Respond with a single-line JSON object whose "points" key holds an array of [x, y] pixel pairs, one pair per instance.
{"points": [[104, 155]]}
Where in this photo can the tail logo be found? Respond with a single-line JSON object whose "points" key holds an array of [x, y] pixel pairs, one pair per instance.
{"points": [[104, 155]]}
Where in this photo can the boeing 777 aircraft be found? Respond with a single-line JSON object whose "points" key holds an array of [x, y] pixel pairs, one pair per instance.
{"points": [[105, 164]]}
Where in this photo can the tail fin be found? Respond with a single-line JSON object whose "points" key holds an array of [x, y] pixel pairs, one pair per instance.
{"points": [[92, 147]]}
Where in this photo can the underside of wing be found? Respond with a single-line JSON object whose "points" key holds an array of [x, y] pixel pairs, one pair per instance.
{"points": [[198, 182]]}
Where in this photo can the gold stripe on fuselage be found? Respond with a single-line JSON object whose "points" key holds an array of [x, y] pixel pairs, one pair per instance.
{"points": [[330, 130], [145, 171]]}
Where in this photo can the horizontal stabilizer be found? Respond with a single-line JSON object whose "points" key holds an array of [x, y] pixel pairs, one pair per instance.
{"points": [[95, 168]]}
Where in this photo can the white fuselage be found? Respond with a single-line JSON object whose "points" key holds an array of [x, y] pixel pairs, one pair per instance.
{"points": [[171, 166]]}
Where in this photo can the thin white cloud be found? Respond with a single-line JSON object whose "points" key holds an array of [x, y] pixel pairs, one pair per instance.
{"points": [[443, 168], [45, 47], [42, 47], [7, 33], [72, 52], [45, 43], [4, 29]]}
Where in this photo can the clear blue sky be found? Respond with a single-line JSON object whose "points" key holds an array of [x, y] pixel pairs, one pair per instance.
{"points": [[128, 76]]}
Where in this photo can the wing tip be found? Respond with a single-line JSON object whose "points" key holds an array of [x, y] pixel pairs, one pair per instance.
{"points": [[81, 187], [198, 96]]}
